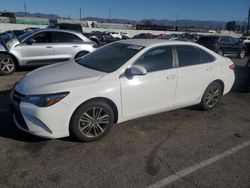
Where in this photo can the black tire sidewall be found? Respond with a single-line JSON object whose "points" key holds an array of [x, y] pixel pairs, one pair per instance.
{"points": [[74, 129], [4, 73], [203, 102]]}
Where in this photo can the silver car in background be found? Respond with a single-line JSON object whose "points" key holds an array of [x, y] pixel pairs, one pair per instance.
{"points": [[42, 47]]}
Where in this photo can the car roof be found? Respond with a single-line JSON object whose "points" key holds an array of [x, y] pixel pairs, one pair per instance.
{"points": [[62, 30], [153, 42]]}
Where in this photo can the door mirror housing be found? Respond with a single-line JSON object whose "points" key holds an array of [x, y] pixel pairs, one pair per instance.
{"points": [[135, 70]]}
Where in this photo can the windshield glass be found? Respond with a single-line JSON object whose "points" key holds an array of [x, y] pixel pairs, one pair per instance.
{"points": [[110, 57], [25, 35], [7, 36]]}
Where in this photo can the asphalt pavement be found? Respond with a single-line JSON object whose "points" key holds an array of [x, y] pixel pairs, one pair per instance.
{"points": [[181, 148]]}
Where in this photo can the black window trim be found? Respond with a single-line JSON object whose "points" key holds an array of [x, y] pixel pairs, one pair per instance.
{"points": [[160, 46]]}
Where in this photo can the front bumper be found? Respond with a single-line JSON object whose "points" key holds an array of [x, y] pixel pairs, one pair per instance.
{"points": [[48, 122]]}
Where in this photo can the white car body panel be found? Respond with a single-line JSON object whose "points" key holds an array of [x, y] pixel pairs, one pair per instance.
{"points": [[143, 95]]}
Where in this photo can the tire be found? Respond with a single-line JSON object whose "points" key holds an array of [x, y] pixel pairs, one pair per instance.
{"points": [[7, 64], [92, 121], [220, 52], [79, 55], [242, 54], [211, 96]]}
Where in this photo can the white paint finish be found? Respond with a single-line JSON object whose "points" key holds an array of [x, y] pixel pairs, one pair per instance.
{"points": [[192, 82], [183, 173], [152, 93], [143, 95]]}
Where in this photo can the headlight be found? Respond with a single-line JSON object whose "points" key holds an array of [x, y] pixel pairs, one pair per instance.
{"points": [[45, 100]]}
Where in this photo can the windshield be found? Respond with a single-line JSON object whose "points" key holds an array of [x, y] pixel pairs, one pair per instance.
{"points": [[7, 36], [25, 35], [110, 57]]}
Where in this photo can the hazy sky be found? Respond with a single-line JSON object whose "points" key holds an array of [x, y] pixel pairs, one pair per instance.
{"points": [[221, 10]]}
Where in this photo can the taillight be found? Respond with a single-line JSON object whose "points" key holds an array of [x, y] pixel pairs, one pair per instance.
{"points": [[232, 66]]}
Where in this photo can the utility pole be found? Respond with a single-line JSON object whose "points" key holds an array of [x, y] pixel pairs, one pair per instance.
{"points": [[109, 14], [80, 14], [25, 10], [248, 20]]}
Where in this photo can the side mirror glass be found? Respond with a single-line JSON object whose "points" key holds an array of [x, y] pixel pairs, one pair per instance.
{"points": [[135, 70]]}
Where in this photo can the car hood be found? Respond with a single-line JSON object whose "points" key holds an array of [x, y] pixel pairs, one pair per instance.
{"points": [[57, 78]]}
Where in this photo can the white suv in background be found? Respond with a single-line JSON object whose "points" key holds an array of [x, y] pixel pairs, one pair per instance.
{"points": [[42, 47]]}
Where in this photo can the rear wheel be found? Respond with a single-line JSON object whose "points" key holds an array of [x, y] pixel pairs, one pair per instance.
{"points": [[220, 52], [92, 121], [242, 54], [7, 64], [212, 96], [80, 55]]}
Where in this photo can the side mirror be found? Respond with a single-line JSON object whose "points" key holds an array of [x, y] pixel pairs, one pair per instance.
{"points": [[135, 70]]}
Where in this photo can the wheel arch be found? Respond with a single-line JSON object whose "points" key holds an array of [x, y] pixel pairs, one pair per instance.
{"points": [[102, 99], [222, 84], [83, 51], [13, 56]]}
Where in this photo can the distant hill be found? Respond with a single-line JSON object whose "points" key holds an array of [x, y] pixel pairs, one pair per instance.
{"points": [[164, 22], [37, 15]]}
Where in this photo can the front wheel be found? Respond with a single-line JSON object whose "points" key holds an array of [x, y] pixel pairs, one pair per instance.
{"points": [[92, 121], [212, 96], [7, 64]]}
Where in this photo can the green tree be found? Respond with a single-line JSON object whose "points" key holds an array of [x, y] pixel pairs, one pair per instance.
{"points": [[231, 26]]}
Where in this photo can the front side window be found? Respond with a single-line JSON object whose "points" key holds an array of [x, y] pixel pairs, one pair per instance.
{"points": [[42, 37], [63, 37], [188, 56], [110, 58], [156, 59]]}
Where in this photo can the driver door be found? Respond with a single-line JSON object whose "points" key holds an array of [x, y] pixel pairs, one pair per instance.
{"points": [[154, 92], [37, 49]]}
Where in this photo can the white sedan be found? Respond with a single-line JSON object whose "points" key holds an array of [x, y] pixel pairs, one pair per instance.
{"points": [[119, 82]]}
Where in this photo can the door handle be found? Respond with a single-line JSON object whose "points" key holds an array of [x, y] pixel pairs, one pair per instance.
{"points": [[48, 46], [171, 77], [75, 46]]}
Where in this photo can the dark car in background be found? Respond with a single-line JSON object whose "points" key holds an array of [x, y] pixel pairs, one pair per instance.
{"points": [[224, 45]]}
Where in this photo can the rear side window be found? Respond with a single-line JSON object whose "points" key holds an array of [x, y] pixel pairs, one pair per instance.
{"points": [[61, 37], [156, 59], [188, 55], [206, 57]]}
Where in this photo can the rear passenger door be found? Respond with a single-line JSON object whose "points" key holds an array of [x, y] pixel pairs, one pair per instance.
{"points": [[196, 69], [66, 45]]}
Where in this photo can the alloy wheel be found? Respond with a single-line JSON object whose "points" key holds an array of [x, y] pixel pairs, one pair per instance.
{"points": [[212, 96], [93, 122], [242, 53], [7, 65]]}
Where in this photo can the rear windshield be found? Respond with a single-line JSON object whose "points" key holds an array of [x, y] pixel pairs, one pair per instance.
{"points": [[110, 57], [208, 39]]}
